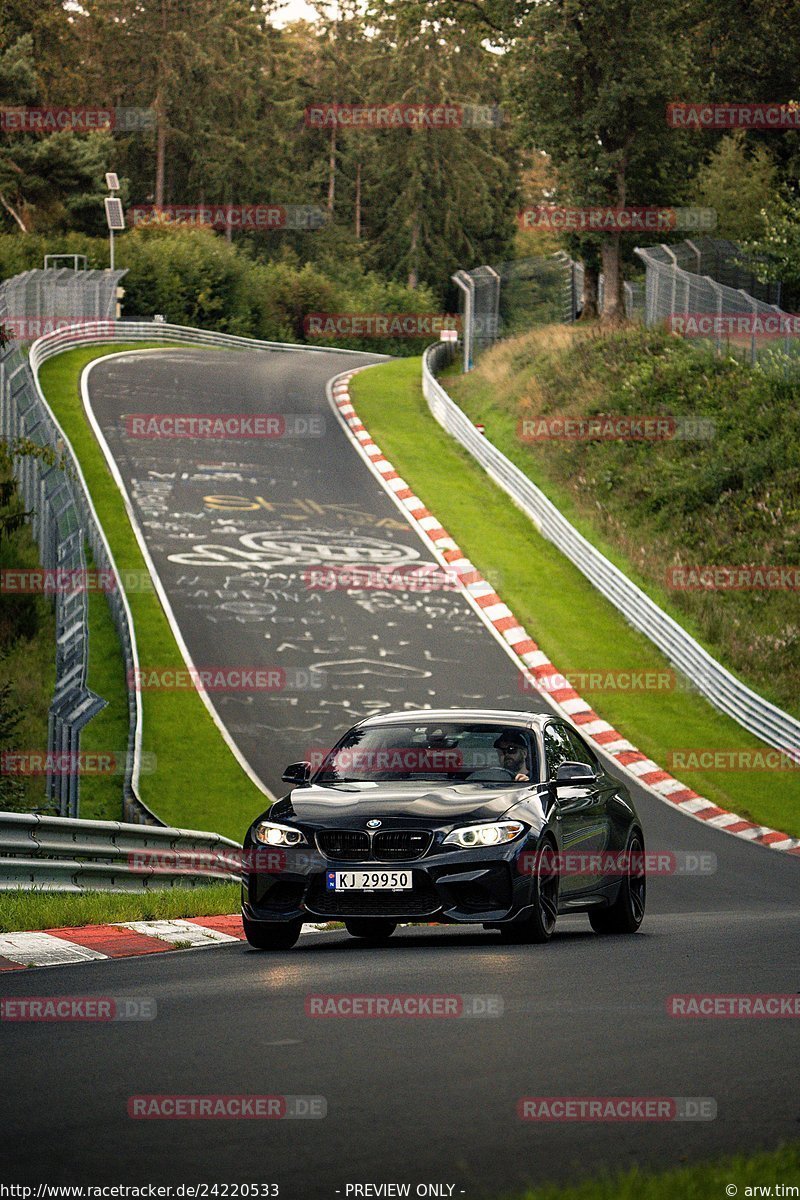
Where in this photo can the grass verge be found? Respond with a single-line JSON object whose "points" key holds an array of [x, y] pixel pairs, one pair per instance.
{"points": [[579, 630], [197, 783], [705, 1181], [52, 910], [726, 493]]}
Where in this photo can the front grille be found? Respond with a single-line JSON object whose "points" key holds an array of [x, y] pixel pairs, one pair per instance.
{"points": [[348, 845], [390, 845], [420, 902], [401, 843]]}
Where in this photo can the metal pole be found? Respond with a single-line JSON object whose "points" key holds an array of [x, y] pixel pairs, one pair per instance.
{"points": [[467, 285], [753, 313], [494, 332], [717, 289]]}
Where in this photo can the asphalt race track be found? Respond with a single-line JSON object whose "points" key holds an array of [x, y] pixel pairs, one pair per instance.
{"points": [[235, 526], [408, 1101]]}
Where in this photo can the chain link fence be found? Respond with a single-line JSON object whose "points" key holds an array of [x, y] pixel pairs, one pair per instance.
{"points": [[634, 296], [514, 296], [718, 314], [63, 520]]}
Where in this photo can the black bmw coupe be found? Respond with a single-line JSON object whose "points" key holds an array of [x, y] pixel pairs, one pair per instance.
{"points": [[464, 816]]}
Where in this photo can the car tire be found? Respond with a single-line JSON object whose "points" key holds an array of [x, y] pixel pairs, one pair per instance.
{"points": [[626, 914], [537, 928], [271, 935], [371, 929]]}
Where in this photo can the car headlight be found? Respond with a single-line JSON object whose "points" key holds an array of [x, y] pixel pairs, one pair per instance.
{"points": [[272, 834], [493, 834]]}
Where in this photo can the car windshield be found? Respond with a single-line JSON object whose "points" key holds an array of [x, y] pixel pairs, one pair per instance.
{"points": [[491, 754]]}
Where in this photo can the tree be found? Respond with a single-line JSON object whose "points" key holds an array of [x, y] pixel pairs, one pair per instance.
{"points": [[739, 182], [436, 198], [47, 180], [592, 79]]}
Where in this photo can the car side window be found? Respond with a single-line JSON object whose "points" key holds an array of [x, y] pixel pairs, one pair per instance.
{"points": [[557, 748], [580, 752]]}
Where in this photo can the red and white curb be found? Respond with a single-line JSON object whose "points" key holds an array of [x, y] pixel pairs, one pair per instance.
{"points": [[128, 939], [534, 662]]}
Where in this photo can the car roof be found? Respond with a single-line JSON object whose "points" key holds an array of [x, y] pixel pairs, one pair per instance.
{"points": [[501, 716]]}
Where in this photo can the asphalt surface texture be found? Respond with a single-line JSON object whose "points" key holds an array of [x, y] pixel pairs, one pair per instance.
{"points": [[429, 1101]]}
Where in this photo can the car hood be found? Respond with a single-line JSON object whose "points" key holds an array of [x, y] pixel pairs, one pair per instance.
{"points": [[346, 803]]}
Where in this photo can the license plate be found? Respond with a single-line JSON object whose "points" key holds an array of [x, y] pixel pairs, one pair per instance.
{"points": [[369, 881]]}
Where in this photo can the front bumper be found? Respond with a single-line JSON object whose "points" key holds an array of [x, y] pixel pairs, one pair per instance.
{"points": [[462, 886]]}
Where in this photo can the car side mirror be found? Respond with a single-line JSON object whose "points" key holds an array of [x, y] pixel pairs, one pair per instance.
{"points": [[298, 773], [575, 774]]}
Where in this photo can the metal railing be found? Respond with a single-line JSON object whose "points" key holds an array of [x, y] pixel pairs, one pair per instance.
{"points": [[732, 697], [61, 855]]}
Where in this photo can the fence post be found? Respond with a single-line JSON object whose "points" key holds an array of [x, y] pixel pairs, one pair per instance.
{"points": [[674, 258], [692, 246], [467, 285], [717, 289], [753, 312]]}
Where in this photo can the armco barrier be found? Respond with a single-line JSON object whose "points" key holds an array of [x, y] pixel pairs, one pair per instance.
{"points": [[767, 721], [58, 854]]}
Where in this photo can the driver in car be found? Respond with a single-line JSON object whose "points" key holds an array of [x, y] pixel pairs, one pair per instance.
{"points": [[512, 750]]}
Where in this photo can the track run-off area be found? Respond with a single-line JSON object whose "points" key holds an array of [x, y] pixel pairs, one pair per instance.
{"points": [[232, 529]]}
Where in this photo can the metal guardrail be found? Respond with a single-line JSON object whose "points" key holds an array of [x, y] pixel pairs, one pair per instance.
{"points": [[58, 854], [767, 721]]}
